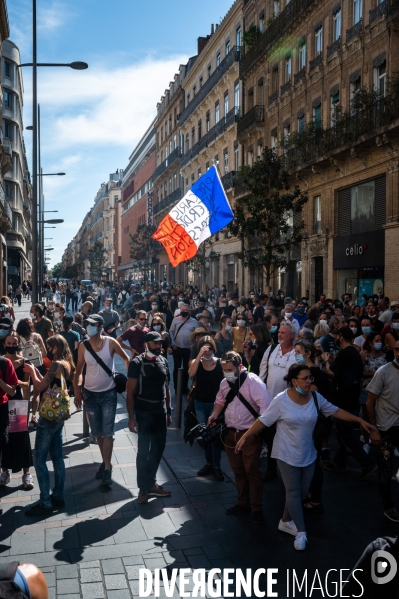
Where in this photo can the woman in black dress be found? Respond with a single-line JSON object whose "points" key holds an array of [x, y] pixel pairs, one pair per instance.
{"points": [[18, 453]]}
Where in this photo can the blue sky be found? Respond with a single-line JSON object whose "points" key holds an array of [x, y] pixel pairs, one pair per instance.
{"points": [[91, 120]]}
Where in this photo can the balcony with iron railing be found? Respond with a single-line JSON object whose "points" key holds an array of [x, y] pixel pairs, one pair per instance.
{"points": [[228, 180], [253, 117], [277, 28], [176, 153], [353, 129], [335, 46], [285, 87], [318, 60], [94, 239], [354, 31], [378, 11], [168, 201], [233, 56], [299, 75]]}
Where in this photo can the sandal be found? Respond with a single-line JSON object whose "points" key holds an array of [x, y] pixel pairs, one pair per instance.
{"points": [[34, 421], [310, 506]]}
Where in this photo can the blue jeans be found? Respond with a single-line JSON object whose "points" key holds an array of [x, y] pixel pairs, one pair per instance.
{"points": [[49, 440], [101, 410], [212, 452]]}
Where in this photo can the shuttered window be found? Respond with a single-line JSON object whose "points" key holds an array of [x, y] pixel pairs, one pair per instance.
{"points": [[349, 221], [344, 211], [380, 202]]}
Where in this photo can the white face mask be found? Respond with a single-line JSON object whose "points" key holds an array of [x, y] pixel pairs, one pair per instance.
{"points": [[91, 330], [210, 357], [241, 323], [354, 330], [231, 377], [154, 306]]}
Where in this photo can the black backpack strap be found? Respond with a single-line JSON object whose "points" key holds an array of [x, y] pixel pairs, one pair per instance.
{"points": [[272, 348], [316, 402], [97, 358], [247, 405], [3, 367]]}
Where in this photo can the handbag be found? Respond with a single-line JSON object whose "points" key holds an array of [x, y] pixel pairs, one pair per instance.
{"points": [[119, 378], [18, 413], [56, 404], [191, 393], [322, 426]]}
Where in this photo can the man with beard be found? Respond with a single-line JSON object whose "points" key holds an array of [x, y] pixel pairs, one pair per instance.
{"points": [[148, 406]]}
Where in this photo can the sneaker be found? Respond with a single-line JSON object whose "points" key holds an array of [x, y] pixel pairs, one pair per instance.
{"points": [[5, 478], [300, 541], [331, 467], [288, 527], [39, 509], [237, 509], [392, 514], [27, 481], [325, 456], [57, 501], [258, 517], [142, 497], [158, 491], [99, 473], [207, 469], [107, 480], [365, 473], [218, 474]]}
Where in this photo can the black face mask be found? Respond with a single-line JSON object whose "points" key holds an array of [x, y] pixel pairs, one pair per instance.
{"points": [[13, 349], [184, 314]]}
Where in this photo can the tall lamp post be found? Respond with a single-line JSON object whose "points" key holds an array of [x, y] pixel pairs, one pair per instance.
{"points": [[77, 65]]}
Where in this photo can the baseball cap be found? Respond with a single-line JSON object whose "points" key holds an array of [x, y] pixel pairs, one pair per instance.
{"points": [[6, 321], [95, 319], [153, 336]]}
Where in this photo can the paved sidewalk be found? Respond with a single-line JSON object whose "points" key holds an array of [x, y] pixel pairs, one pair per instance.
{"points": [[94, 548]]}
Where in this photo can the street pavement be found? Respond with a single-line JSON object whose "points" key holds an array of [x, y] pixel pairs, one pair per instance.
{"points": [[95, 546]]}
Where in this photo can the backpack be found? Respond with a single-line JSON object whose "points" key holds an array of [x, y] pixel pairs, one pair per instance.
{"points": [[8, 588], [31, 351]]}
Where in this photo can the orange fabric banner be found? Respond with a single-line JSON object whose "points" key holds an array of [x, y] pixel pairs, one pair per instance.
{"points": [[178, 244]]}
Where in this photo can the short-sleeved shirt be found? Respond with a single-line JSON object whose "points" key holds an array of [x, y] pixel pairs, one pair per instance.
{"points": [[70, 338], [135, 337], [10, 378], [385, 384], [152, 382], [111, 318], [348, 371], [293, 442], [328, 344], [43, 327]]}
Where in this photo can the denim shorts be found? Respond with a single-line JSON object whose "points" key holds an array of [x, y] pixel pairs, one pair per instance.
{"points": [[101, 410]]}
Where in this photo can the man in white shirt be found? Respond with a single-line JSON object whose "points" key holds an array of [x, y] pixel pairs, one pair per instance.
{"points": [[385, 315], [288, 317], [275, 364]]}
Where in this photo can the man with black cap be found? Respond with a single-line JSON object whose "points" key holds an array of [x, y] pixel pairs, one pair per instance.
{"points": [[148, 406], [99, 392]]}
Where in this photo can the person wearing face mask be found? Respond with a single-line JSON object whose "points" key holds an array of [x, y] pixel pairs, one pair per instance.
{"points": [[208, 373], [347, 373], [99, 393], [295, 413], [373, 358], [239, 415], [224, 336], [391, 336], [135, 335], [288, 316], [154, 310], [6, 326], [180, 331], [300, 314], [278, 300], [59, 313], [271, 322], [149, 409], [366, 328], [254, 349], [42, 325], [158, 325], [17, 454], [50, 310], [111, 318], [240, 334]]}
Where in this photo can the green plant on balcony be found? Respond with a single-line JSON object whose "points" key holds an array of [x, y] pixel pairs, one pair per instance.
{"points": [[251, 35], [268, 218]]}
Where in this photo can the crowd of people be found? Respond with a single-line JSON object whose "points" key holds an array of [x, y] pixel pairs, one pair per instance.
{"points": [[264, 376]]}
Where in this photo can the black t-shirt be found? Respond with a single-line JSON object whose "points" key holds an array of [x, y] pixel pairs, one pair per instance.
{"points": [[207, 383], [152, 381], [348, 370], [228, 310], [257, 357], [258, 314]]}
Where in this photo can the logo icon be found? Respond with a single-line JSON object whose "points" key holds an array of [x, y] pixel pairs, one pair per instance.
{"points": [[383, 567]]}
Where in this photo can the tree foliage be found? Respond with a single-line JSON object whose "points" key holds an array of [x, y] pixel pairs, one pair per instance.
{"points": [[204, 257], [98, 259], [72, 271], [143, 248], [251, 35], [56, 271], [268, 217]]}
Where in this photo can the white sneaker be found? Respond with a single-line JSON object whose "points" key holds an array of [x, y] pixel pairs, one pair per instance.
{"points": [[5, 478], [27, 481], [288, 527], [366, 448], [300, 541]]}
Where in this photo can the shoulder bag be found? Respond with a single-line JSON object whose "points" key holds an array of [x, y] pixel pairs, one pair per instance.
{"points": [[272, 348], [119, 378], [56, 404], [322, 426]]}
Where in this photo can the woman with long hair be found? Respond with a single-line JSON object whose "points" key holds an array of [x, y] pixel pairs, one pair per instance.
{"points": [[260, 339], [224, 335], [49, 433], [17, 454], [158, 325], [33, 349], [6, 300]]}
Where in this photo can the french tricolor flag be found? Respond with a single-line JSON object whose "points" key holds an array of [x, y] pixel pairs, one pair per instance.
{"points": [[202, 212]]}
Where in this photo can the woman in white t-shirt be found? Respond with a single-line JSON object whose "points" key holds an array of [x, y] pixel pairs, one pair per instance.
{"points": [[295, 413]]}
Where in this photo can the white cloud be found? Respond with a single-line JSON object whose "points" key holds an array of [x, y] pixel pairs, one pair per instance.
{"points": [[51, 17]]}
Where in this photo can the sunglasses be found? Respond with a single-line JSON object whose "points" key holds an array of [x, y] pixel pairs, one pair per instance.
{"points": [[306, 378], [141, 319]]}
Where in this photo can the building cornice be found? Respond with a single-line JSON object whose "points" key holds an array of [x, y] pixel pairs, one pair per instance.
{"points": [[4, 24]]}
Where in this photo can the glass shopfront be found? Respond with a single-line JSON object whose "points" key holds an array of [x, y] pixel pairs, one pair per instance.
{"points": [[358, 281]]}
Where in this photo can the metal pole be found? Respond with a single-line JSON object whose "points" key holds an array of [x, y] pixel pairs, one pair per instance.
{"points": [[40, 227], [34, 160], [179, 398]]}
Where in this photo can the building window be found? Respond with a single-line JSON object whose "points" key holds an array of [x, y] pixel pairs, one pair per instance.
{"points": [[336, 25], [334, 108], [357, 11], [7, 130], [287, 69], [199, 129], [318, 40], [192, 137], [8, 69], [217, 59], [302, 56], [262, 24], [208, 124], [250, 98], [274, 140], [7, 98], [227, 47], [209, 71], [260, 149], [362, 207], [199, 173], [261, 93], [174, 182], [354, 88], [217, 113], [274, 80], [238, 37], [187, 143], [188, 98], [276, 7], [200, 81], [226, 103], [250, 157], [317, 215], [194, 90], [301, 123], [287, 131], [175, 141], [236, 158], [317, 116], [237, 97], [226, 162], [380, 78]]}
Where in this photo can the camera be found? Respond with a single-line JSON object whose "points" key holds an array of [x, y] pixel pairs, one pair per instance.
{"points": [[207, 434]]}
